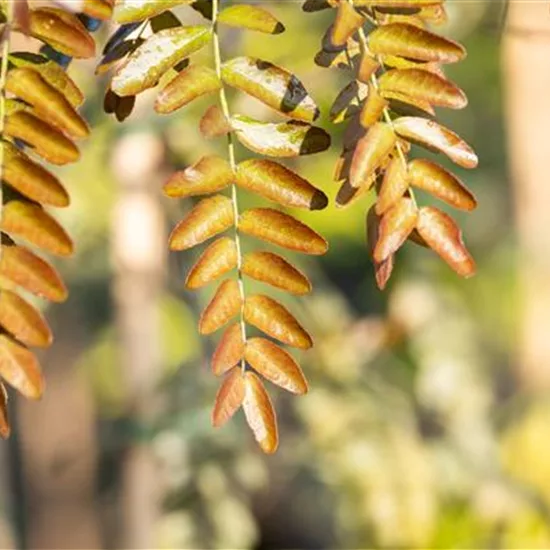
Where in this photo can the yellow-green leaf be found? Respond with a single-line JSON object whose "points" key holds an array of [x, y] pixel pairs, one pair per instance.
{"points": [[283, 139], [274, 86], [131, 11], [250, 17], [159, 53]]}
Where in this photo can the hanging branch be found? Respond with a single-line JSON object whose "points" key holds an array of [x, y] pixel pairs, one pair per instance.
{"points": [[398, 80], [39, 119], [163, 56]]}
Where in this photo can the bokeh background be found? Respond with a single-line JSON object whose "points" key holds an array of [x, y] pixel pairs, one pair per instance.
{"points": [[428, 422]]}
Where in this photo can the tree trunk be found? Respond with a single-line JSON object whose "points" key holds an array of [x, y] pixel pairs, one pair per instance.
{"points": [[139, 246], [527, 83]]}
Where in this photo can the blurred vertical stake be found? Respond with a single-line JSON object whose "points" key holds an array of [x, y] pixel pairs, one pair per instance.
{"points": [[526, 63], [139, 244]]}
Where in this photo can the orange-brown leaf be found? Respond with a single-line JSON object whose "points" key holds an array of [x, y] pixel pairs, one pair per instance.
{"points": [[209, 175], [31, 223], [382, 270], [429, 176], [230, 350], [275, 364], [47, 142], [31, 179], [23, 321], [367, 67], [279, 184], [20, 266], [395, 226], [4, 419], [436, 137], [412, 42], [347, 21], [63, 31], [424, 86], [259, 413], [394, 185], [443, 235], [49, 103], [229, 398], [209, 217], [194, 81], [373, 107], [371, 151], [219, 258], [283, 230], [213, 123], [225, 304], [274, 319], [20, 369], [274, 270]]}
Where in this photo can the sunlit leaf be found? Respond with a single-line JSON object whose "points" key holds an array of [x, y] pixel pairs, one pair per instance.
{"points": [[373, 107], [274, 86], [260, 414], [283, 139], [229, 351], [219, 258], [20, 266], [279, 184], [394, 185], [30, 222], [346, 23], [410, 41], [32, 180], [192, 82], [225, 304], [372, 149], [382, 270], [395, 226], [436, 137], [159, 53], [209, 217], [443, 235], [130, 11], [23, 321], [274, 270], [63, 31], [20, 369], [209, 175], [213, 123], [229, 398], [275, 364], [424, 86], [275, 320], [429, 176], [46, 141], [250, 17], [4, 419], [283, 230]]}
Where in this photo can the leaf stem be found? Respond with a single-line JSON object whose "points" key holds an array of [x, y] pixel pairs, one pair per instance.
{"points": [[231, 155], [3, 74]]}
